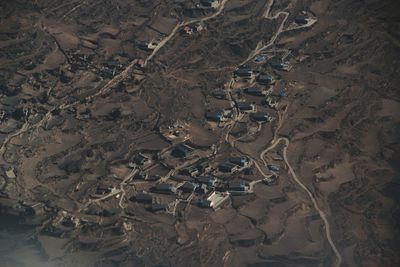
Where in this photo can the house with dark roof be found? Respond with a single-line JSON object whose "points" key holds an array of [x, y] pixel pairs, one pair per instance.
{"points": [[191, 171], [182, 151], [158, 208], [243, 72], [228, 167], [246, 107], [265, 79], [204, 167], [141, 175], [216, 115], [301, 19], [204, 203], [279, 65], [219, 94], [242, 161], [163, 189], [237, 186], [259, 117], [202, 189], [104, 188], [143, 197], [188, 187], [207, 180], [255, 91]]}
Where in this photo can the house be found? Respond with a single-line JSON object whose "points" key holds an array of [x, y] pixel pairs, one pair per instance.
{"points": [[192, 171], [259, 58], [301, 19], [182, 151], [163, 189], [210, 3], [142, 159], [259, 117], [157, 208], [238, 186], [217, 115], [104, 188], [202, 189], [147, 46], [219, 94], [188, 187], [246, 107], [204, 203], [228, 167], [243, 72], [153, 178], [241, 161], [188, 30], [207, 180], [111, 211], [143, 197], [274, 168], [255, 91], [265, 79], [217, 199], [141, 175], [204, 167], [279, 65]]}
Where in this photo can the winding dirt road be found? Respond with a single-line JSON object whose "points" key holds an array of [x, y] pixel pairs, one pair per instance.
{"points": [[311, 196], [260, 48]]}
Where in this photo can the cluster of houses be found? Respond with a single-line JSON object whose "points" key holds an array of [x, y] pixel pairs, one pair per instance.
{"points": [[195, 181], [263, 81], [199, 181]]}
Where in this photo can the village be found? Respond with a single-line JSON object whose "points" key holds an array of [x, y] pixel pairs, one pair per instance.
{"points": [[170, 130], [187, 174]]}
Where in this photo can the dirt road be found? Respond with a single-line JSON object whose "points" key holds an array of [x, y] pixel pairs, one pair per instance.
{"points": [[309, 193]]}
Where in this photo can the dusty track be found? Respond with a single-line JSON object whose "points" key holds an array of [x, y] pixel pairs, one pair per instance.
{"points": [[313, 200], [260, 48]]}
